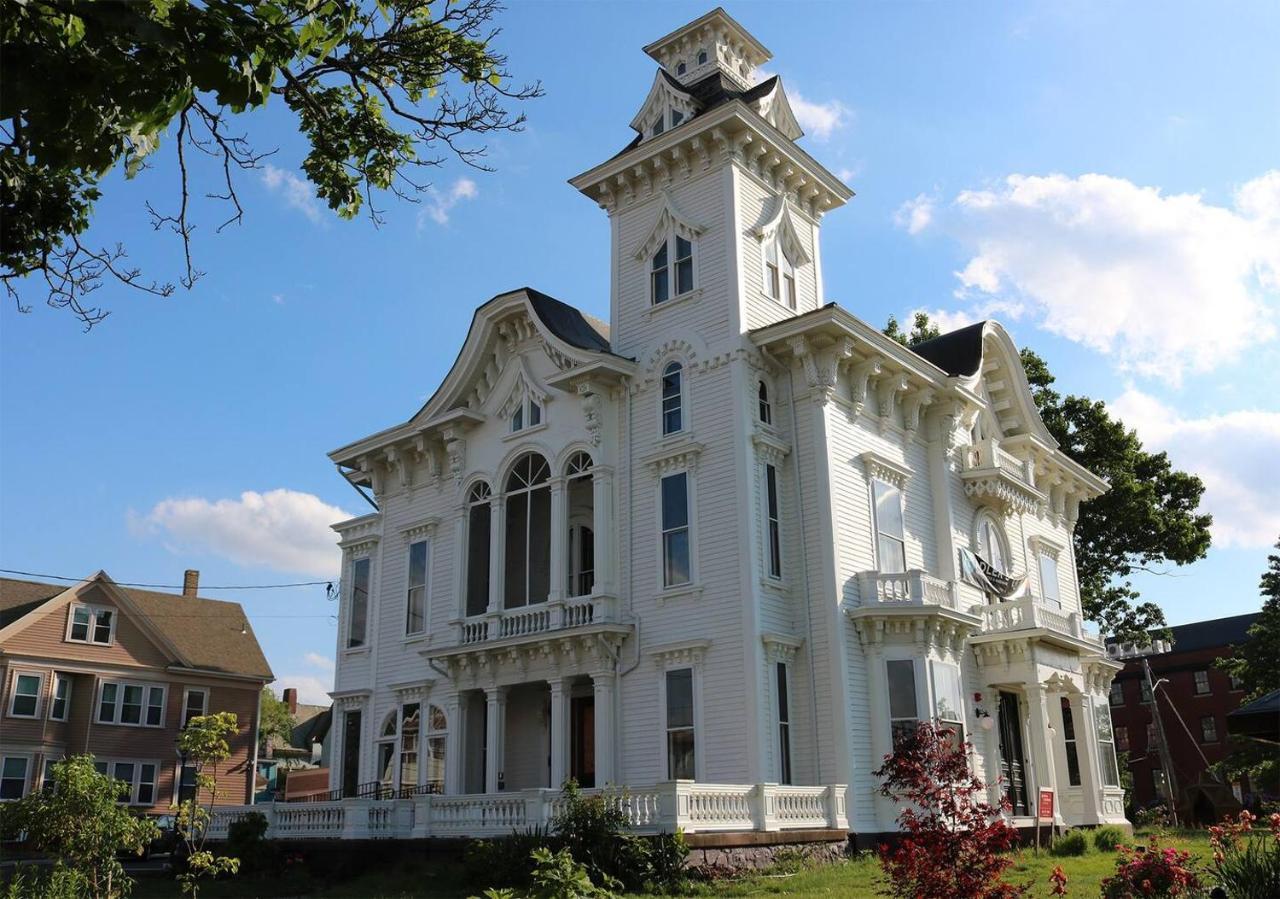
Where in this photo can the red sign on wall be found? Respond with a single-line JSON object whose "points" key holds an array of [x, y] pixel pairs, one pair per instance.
{"points": [[1045, 809]]}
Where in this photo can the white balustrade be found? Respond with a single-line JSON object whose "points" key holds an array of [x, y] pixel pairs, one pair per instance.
{"points": [[531, 620], [908, 588], [1027, 613], [524, 621]]}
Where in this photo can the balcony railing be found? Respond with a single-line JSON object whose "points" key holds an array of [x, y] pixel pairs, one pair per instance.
{"points": [[692, 807], [908, 588], [1027, 614], [992, 474], [988, 455], [539, 618]]}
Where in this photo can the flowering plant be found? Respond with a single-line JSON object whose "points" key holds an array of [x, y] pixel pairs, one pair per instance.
{"points": [[1246, 862], [1058, 882], [952, 840], [1151, 871]]}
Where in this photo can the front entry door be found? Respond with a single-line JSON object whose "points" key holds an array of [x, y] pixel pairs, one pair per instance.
{"points": [[1012, 763], [582, 748]]}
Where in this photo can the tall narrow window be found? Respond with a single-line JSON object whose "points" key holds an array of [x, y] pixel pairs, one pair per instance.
{"points": [[680, 729], [528, 532], [1122, 738], [947, 707], [684, 265], [766, 410], [145, 794], [1069, 742], [1201, 682], [61, 697], [676, 117], [779, 274], [903, 714], [784, 724], [672, 398], [991, 545], [195, 704], [359, 621], [660, 277], [773, 521], [409, 732], [155, 706], [1208, 729], [25, 699], [1116, 693], [479, 513], [675, 530], [107, 703], [1106, 744], [416, 610], [890, 544], [1049, 581], [579, 494], [1145, 690], [437, 740]]}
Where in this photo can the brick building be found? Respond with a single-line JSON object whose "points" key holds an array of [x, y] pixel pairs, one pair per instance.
{"points": [[1194, 702], [116, 672]]}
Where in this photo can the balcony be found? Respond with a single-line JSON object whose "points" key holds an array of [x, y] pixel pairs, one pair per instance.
{"points": [[909, 588], [539, 620], [1025, 617], [993, 476]]}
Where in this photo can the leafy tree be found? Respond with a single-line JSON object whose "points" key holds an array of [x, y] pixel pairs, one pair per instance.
{"points": [[81, 823], [922, 329], [275, 724], [1149, 517], [380, 90], [203, 744]]}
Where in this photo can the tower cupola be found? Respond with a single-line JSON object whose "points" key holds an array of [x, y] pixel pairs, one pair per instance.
{"points": [[714, 42]]}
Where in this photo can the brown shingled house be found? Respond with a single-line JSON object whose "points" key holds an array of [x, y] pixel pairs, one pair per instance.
{"points": [[116, 672]]}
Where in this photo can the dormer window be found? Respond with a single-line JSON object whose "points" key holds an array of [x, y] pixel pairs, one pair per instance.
{"points": [[780, 274], [702, 57], [676, 117], [91, 624], [528, 414], [681, 68], [661, 274], [659, 126]]}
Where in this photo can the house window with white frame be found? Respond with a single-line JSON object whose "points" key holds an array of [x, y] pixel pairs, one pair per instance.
{"points": [[1202, 683], [25, 689], [410, 731], [1049, 594], [676, 562], [672, 398], [766, 409], [779, 274], [1069, 743], [358, 621], [904, 716], [1106, 744], [479, 521], [138, 776], [416, 603], [91, 624], [891, 554], [528, 414], [991, 545], [135, 705], [195, 704], [784, 723], [61, 697], [948, 705], [13, 776], [437, 745], [680, 724], [671, 269], [773, 521]]}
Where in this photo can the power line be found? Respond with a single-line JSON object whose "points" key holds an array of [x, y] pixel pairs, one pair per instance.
{"points": [[62, 577]]}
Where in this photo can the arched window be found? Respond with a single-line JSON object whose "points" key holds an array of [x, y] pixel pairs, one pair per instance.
{"points": [[681, 68], [410, 728], [780, 274], [702, 57], [673, 398], [580, 510], [479, 520], [437, 741], [528, 557], [766, 411], [990, 544], [387, 751]]}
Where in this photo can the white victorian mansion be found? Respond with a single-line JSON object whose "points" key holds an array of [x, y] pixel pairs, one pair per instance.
{"points": [[719, 550]]}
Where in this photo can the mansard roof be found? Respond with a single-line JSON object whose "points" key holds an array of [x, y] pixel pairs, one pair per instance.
{"points": [[958, 353]]}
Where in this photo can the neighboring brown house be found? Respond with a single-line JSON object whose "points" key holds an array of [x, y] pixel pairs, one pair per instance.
{"points": [[117, 672]]}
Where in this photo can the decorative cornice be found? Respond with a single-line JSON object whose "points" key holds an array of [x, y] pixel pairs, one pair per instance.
{"points": [[679, 455], [416, 689], [769, 447], [687, 652], [421, 529], [1039, 543], [882, 468], [780, 647], [350, 699]]}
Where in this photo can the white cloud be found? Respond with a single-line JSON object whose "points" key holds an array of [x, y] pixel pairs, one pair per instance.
{"points": [[1234, 453], [297, 192], [819, 120], [312, 690], [280, 529], [439, 204], [915, 215], [951, 319], [1162, 283], [316, 660]]}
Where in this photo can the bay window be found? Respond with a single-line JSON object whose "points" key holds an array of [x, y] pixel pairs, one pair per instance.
{"points": [[1106, 744], [528, 532], [676, 568], [1069, 743], [680, 724], [948, 706], [903, 714], [890, 542]]}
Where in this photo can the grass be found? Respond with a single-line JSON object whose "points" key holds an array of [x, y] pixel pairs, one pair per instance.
{"points": [[855, 879]]}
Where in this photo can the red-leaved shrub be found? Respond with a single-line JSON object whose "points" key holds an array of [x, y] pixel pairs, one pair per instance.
{"points": [[952, 838], [1151, 872]]}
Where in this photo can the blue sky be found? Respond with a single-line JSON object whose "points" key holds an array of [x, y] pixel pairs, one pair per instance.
{"points": [[1104, 178]]}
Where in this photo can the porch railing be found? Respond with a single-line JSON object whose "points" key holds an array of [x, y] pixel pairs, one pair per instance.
{"points": [[1027, 613], [687, 805], [538, 618]]}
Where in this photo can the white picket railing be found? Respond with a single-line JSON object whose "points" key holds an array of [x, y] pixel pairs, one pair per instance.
{"points": [[1028, 613], [907, 588], [686, 805], [538, 618]]}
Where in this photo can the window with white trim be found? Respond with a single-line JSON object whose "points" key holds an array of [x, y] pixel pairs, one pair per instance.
{"points": [[671, 269], [358, 623], [138, 779], [991, 544], [784, 723], [1106, 744], [416, 602], [195, 704], [676, 562], [766, 410], [1049, 594], [673, 398], [773, 521], [25, 689], [527, 563], [904, 716], [61, 703], [891, 553], [680, 724], [437, 745], [132, 704], [528, 414], [948, 705], [1201, 682], [13, 776], [479, 521], [91, 624], [1069, 743], [410, 731], [48, 782], [779, 274]]}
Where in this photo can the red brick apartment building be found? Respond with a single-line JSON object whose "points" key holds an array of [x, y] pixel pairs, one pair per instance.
{"points": [[117, 672], [1194, 703]]}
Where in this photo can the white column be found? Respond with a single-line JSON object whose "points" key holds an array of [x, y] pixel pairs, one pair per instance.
{"points": [[495, 709], [559, 540], [1041, 749], [497, 556], [602, 685], [602, 524], [453, 747], [460, 569], [881, 738], [1089, 756], [559, 733]]}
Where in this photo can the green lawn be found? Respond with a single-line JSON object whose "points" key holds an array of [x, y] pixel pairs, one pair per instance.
{"points": [[854, 879]]}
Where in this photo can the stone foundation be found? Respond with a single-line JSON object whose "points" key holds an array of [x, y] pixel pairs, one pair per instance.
{"points": [[727, 853]]}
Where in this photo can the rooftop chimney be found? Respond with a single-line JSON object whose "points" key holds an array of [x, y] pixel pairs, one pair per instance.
{"points": [[190, 582], [291, 699]]}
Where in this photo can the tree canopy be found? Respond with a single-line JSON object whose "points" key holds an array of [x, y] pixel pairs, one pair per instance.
{"points": [[379, 89], [275, 724], [1150, 516]]}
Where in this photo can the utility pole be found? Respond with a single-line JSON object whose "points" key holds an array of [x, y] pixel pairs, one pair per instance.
{"points": [[1166, 763]]}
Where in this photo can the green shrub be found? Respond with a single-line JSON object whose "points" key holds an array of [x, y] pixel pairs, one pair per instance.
{"points": [[559, 876], [505, 861], [247, 841], [58, 882], [1073, 842], [1108, 839]]}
